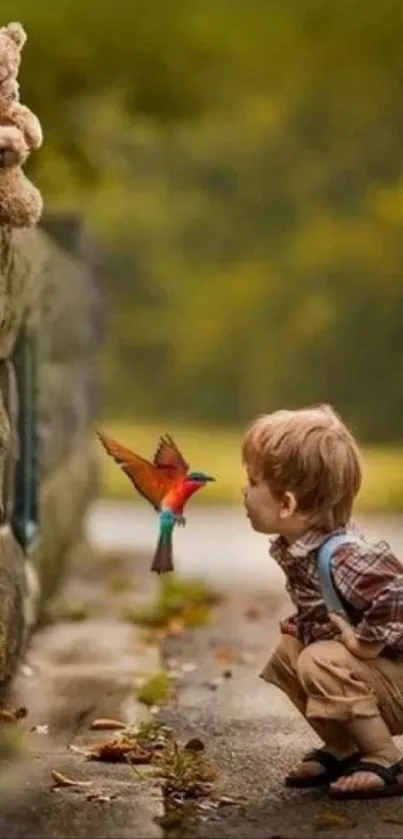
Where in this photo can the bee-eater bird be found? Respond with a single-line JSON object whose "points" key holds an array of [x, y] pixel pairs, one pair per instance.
{"points": [[166, 483]]}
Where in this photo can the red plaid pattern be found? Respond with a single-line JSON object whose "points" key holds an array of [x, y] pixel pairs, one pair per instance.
{"points": [[368, 577]]}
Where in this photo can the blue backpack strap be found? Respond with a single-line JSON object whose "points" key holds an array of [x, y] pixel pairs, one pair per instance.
{"points": [[325, 553]]}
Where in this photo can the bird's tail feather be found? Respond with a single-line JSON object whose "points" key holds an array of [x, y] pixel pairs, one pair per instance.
{"points": [[163, 557]]}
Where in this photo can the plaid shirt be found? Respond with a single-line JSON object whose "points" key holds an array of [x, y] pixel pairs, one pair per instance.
{"points": [[369, 581]]}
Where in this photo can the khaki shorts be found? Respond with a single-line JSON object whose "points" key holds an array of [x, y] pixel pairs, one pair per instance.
{"points": [[331, 686]]}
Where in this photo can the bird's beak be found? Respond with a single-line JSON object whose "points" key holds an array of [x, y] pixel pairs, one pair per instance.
{"points": [[209, 478]]}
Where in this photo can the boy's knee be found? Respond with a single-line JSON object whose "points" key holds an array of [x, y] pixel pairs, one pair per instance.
{"points": [[287, 652], [283, 660], [318, 658]]}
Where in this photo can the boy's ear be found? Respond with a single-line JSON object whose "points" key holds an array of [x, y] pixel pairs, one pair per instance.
{"points": [[289, 505]]}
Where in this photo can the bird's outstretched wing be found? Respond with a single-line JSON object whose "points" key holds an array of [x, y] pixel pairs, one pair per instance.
{"points": [[169, 459], [152, 483]]}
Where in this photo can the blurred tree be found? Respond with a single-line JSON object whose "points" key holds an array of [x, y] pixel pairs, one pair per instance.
{"points": [[242, 164]]}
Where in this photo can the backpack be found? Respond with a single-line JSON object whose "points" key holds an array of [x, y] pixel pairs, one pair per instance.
{"points": [[329, 592]]}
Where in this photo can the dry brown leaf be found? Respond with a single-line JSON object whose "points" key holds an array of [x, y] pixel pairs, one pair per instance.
{"points": [[119, 752], [329, 819], [227, 801], [7, 716], [105, 724], [80, 750], [224, 655], [393, 819], [99, 797], [13, 714], [63, 781]]}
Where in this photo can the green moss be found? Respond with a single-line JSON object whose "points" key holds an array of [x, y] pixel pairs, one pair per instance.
{"points": [[120, 584], [13, 742], [183, 771], [156, 691], [148, 733], [77, 613], [61, 610], [188, 600]]}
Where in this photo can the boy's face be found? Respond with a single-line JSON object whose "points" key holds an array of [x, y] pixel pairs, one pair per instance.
{"points": [[266, 513]]}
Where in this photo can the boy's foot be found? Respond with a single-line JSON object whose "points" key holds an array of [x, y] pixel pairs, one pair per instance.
{"points": [[318, 768], [368, 779]]}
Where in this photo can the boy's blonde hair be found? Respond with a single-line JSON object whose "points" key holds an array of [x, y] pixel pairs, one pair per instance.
{"points": [[311, 453]]}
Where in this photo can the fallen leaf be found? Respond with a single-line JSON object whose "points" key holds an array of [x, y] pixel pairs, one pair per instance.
{"points": [[40, 729], [246, 658], [80, 750], [99, 797], [226, 801], [7, 716], [13, 714], [107, 725], [63, 781], [224, 655], [188, 667], [329, 819], [206, 805], [393, 819], [119, 752]]}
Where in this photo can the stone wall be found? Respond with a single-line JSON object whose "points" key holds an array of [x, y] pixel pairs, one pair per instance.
{"points": [[50, 314]]}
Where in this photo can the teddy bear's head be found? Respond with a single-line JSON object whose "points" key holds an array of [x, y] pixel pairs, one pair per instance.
{"points": [[13, 148], [12, 40]]}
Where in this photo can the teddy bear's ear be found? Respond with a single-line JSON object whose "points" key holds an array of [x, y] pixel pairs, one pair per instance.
{"points": [[17, 33]]}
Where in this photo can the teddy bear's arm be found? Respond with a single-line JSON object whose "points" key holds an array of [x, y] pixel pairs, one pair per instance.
{"points": [[23, 118]]}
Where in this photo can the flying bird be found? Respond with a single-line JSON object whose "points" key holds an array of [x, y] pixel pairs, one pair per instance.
{"points": [[166, 483]]}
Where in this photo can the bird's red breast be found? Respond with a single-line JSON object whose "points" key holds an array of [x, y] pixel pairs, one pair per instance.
{"points": [[179, 493], [152, 480]]}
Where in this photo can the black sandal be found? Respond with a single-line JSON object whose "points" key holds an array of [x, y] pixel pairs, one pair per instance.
{"points": [[388, 774], [333, 767]]}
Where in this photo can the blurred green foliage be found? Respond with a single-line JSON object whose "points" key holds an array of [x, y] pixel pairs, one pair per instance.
{"points": [[241, 163]]}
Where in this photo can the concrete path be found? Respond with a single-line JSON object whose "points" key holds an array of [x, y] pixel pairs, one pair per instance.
{"points": [[76, 671], [254, 733]]}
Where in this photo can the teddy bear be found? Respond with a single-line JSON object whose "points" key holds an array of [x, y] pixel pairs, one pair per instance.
{"points": [[20, 133], [13, 113]]}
